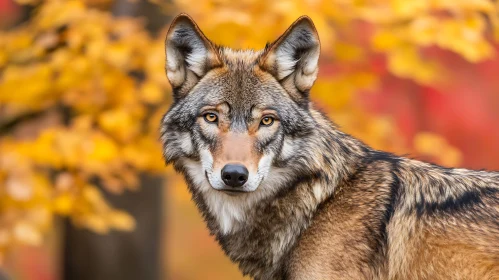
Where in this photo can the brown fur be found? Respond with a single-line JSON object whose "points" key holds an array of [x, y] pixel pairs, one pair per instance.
{"points": [[322, 205]]}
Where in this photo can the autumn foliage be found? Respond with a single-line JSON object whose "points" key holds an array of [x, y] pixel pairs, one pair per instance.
{"points": [[98, 82], [82, 92]]}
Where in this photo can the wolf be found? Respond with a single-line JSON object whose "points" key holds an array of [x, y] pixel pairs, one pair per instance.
{"points": [[289, 196]]}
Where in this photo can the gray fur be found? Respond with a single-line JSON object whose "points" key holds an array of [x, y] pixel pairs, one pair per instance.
{"points": [[330, 207]]}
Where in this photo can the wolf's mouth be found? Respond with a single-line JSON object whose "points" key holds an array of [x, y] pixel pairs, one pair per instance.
{"points": [[226, 189], [233, 192]]}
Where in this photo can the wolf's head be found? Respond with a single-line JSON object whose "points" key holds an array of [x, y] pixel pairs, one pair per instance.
{"points": [[239, 117]]}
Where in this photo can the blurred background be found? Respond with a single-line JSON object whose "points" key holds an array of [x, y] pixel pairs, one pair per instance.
{"points": [[84, 193]]}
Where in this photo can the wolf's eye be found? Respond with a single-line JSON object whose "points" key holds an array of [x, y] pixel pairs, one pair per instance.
{"points": [[267, 121], [210, 117]]}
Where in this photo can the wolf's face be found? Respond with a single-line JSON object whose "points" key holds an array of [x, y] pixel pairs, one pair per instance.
{"points": [[238, 117]]}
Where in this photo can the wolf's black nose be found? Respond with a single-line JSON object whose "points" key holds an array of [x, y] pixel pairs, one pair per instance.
{"points": [[234, 175]]}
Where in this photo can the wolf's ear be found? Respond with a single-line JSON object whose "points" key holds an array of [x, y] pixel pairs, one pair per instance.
{"points": [[293, 58], [189, 55]]}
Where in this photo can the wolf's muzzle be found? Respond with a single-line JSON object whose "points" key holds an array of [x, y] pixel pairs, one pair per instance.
{"points": [[235, 175]]}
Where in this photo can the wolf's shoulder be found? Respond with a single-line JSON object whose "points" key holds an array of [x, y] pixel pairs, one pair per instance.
{"points": [[428, 189], [426, 172]]}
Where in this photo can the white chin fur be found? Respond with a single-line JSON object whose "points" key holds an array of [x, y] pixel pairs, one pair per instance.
{"points": [[232, 211]]}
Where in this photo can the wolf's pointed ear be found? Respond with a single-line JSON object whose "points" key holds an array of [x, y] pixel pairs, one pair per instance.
{"points": [[293, 58], [189, 55]]}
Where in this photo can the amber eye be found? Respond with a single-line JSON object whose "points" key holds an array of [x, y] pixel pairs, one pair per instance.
{"points": [[211, 117], [267, 121]]}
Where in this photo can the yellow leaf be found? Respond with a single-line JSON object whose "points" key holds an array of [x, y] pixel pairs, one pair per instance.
{"points": [[423, 30], [385, 40], [437, 147], [96, 223], [428, 143], [118, 122], [26, 233], [101, 149], [118, 55], [406, 62], [405, 9], [63, 204], [151, 93], [121, 220], [348, 52], [93, 195], [465, 36]]}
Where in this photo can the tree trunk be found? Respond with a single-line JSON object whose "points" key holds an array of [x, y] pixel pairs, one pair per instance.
{"points": [[123, 255], [120, 255]]}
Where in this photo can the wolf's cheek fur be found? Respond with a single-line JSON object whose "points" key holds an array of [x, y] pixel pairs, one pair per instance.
{"points": [[177, 145], [288, 149]]}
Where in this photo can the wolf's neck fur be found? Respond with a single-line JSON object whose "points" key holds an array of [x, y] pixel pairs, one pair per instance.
{"points": [[270, 228]]}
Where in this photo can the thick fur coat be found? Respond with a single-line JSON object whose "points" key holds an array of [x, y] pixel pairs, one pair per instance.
{"points": [[316, 203]]}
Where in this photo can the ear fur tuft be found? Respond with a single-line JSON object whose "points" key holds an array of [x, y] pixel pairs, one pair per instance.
{"points": [[189, 54], [293, 58]]}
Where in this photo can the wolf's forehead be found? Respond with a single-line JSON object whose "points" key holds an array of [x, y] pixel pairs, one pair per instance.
{"points": [[239, 58], [243, 91], [240, 82]]}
